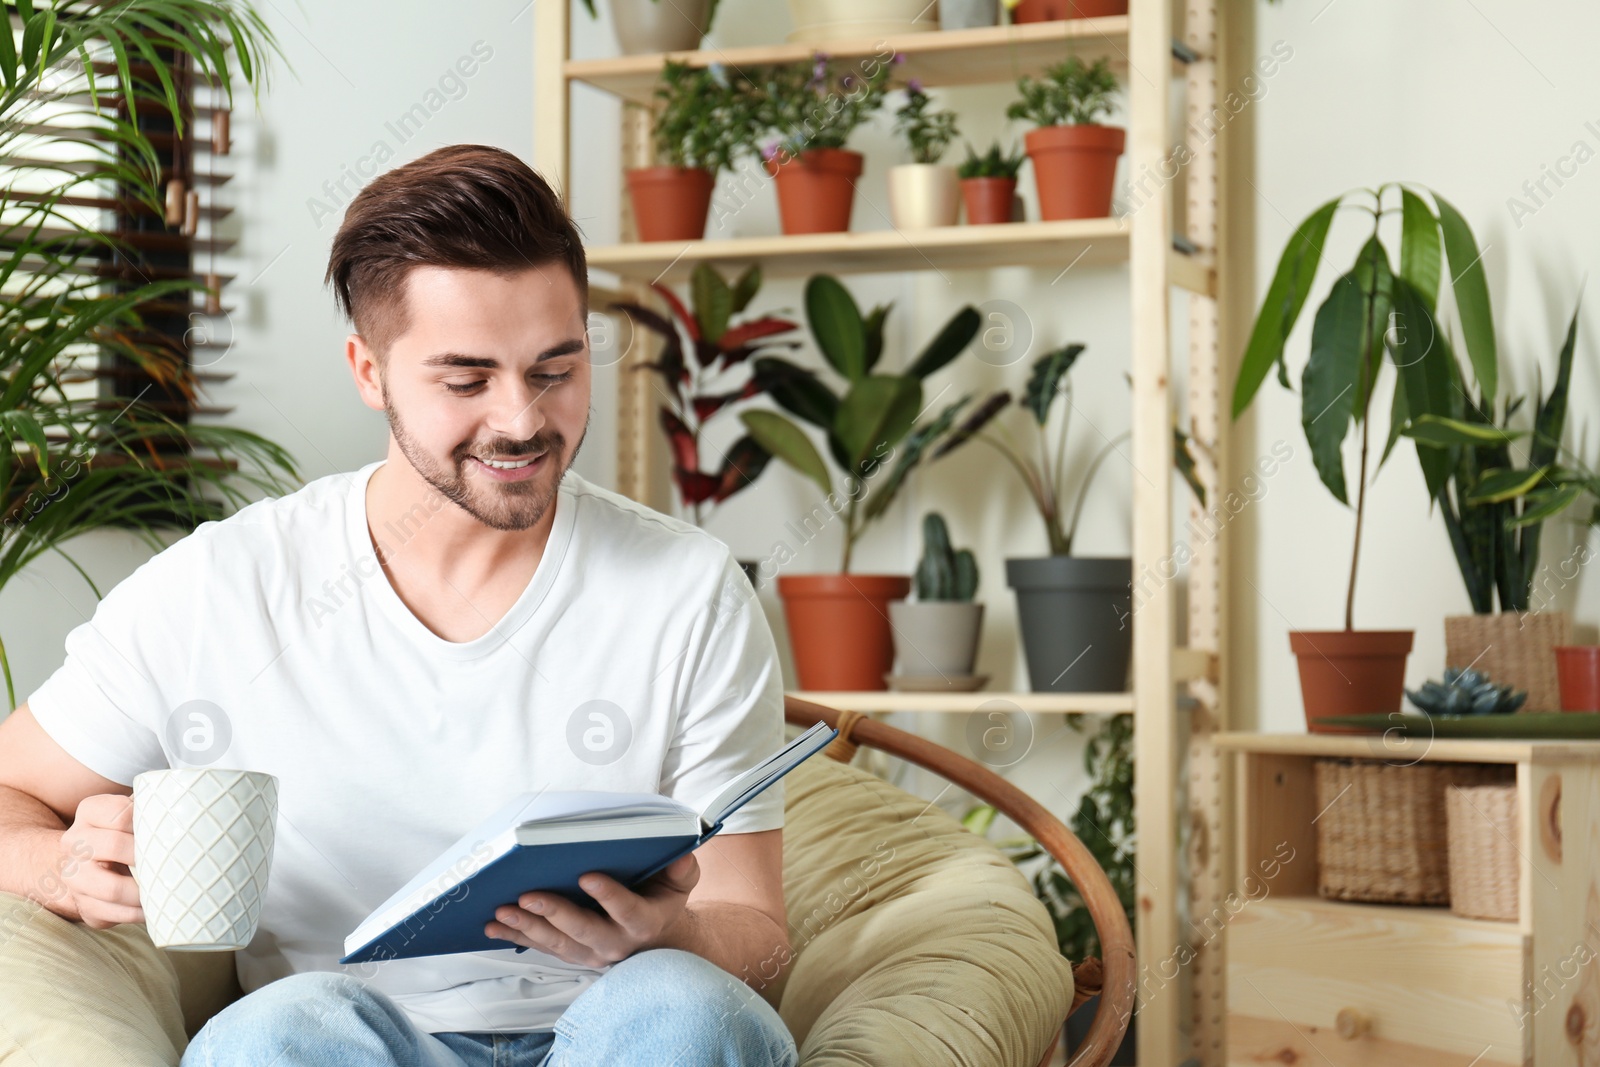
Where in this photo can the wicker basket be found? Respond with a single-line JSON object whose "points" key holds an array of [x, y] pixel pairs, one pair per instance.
{"points": [[1483, 850], [1512, 648], [1381, 833]]}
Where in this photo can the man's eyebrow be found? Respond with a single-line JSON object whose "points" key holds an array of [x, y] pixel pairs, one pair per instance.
{"points": [[461, 359]]}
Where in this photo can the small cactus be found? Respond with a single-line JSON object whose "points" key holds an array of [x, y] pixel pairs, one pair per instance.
{"points": [[1466, 692], [943, 574]]}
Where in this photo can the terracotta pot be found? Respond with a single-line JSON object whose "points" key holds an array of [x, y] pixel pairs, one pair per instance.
{"points": [[923, 196], [1054, 10], [1579, 669], [1512, 648], [816, 189], [1074, 168], [821, 21], [839, 627], [1350, 672], [988, 200], [670, 203]]}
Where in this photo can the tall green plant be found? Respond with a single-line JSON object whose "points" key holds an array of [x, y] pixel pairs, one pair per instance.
{"points": [[872, 420], [77, 464], [1371, 309]]}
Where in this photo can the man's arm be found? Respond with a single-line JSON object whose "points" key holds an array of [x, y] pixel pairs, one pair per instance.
{"points": [[735, 916], [66, 833]]}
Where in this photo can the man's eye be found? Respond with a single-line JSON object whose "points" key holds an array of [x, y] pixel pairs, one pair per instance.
{"points": [[553, 378], [469, 387]]}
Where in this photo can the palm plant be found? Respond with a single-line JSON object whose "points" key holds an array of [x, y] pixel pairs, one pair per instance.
{"points": [[80, 80]]}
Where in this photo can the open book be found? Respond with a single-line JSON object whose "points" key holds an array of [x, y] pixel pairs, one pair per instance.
{"points": [[543, 842]]}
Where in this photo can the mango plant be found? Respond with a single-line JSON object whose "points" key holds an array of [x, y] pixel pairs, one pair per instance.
{"points": [[873, 419]]}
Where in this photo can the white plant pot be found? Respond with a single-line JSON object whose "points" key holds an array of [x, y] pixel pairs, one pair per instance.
{"points": [[649, 26], [822, 21], [935, 637], [202, 853], [924, 195], [968, 14]]}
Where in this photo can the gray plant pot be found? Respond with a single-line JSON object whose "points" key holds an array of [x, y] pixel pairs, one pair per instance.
{"points": [[1076, 621], [659, 25], [968, 14], [935, 638]]}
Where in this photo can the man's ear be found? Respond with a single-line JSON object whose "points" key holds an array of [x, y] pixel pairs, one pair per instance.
{"points": [[364, 367]]}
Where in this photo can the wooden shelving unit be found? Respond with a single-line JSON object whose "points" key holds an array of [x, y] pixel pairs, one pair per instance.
{"points": [[1205, 45]]}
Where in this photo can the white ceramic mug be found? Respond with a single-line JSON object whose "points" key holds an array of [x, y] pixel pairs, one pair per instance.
{"points": [[202, 851]]}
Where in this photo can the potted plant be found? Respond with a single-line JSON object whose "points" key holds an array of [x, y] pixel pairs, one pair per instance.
{"points": [[924, 193], [646, 27], [1067, 605], [1369, 310], [79, 460], [989, 185], [1074, 157], [1494, 509], [1104, 822], [936, 636], [825, 21], [968, 14], [838, 623], [699, 128], [813, 112], [704, 371], [1054, 10]]}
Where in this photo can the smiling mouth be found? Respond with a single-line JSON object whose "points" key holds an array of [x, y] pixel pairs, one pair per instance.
{"points": [[510, 464]]}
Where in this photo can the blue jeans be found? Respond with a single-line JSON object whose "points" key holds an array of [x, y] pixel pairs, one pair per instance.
{"points": [[658, 1007]]}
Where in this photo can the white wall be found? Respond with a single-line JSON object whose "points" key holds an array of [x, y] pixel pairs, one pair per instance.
{"points": [[1471, 100]]}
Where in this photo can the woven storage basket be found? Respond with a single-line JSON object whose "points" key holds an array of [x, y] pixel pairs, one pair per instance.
{"points": [[1483, 850], [1381, 833], [1512, 648]]}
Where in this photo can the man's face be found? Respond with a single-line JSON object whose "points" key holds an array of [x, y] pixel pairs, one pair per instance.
{"points": [[487, 391]]}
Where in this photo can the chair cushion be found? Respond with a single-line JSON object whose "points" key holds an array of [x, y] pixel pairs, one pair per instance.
{"points": [[77, 995], [916, 940]]}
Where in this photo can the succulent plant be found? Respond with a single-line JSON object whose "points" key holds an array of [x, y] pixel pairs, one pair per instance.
{"points": [[1465, 691], [943, 573]]}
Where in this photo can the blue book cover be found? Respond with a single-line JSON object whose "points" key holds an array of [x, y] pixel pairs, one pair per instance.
{"points": [[544, 841]]}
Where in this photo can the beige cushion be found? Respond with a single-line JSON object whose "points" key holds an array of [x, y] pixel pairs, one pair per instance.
{"points": [[916, 942]]}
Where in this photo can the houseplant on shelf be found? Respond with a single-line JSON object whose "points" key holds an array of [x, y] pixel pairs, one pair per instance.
{"points": [[1067, 605], [1053, 10], [701, 125], [1104, 822], [704, 371], [812, 113], [1369, 310], [989, 185], [1074, 157], [644, 27], [924, 193], [838, 623], [1494, 508], [936, 636], [75, 463]]}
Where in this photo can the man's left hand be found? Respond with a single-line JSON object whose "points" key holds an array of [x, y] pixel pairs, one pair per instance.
{"points": [[632, 921]]}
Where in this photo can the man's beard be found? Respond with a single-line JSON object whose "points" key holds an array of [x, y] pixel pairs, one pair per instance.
{"points": [[499, 505]]}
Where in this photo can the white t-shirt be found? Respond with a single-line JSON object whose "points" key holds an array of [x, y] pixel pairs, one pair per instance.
{"points": [[636, 660]]}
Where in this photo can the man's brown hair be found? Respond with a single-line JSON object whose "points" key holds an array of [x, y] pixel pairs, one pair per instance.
{"points": [[465, 206]]}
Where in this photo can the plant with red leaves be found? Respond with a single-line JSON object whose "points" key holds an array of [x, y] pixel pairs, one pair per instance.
{"points": [[704, 368]]}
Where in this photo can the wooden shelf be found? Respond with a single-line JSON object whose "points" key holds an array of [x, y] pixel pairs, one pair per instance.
{"points": [[943, 57], [1088, 703], [1441, 917], [1064, 245], [1406, 750]]}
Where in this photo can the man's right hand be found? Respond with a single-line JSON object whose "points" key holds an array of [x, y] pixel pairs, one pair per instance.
{"points": [[96, 853]]}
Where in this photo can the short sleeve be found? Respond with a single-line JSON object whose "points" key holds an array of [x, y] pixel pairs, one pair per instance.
{"points": [[107, 703], [731, 714]]}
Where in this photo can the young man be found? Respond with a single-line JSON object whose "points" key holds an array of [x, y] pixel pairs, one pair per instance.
{"points": [[407, 646]]}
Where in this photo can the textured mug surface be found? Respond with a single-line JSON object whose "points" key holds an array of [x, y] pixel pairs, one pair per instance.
{"points": [[202, 851]]}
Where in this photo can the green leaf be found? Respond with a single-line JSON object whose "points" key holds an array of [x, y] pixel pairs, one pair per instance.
{"points": [[1297, 269], [1472, 296], [19, 423], [1328, 387], [789, 443], [1399, 416], [1546, 505], [1439, 430], [1551, 419], [911, 453], [1423, 357], [746, 287], [796, 390], [1419, 246], [8, 59], [1505, 484], [874, 324], [1044, 380], [1376, 279], [878, 411], [951, 341], [713, 302], [837, 325]]}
